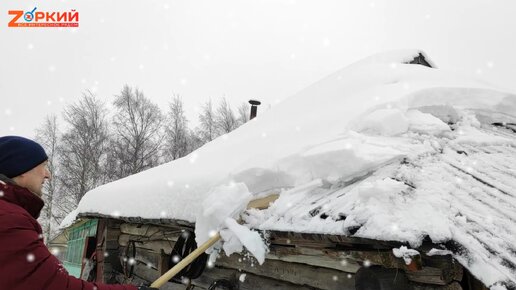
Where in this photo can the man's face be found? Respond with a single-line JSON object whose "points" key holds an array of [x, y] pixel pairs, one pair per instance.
{"points": [[34, 179]]}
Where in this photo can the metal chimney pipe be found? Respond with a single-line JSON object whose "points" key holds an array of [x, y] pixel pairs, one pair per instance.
{"points": [[254, 108]]}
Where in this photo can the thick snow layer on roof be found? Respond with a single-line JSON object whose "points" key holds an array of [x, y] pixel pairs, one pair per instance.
{"points": [[338, 144]]}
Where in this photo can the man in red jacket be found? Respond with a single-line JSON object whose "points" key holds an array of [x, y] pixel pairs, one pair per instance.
{"points": [[25, 262]]}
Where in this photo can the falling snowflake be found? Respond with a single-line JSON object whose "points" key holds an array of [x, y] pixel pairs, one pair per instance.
{"points": [[490, 64], [31, 258], [344, 263], [367, 263], [106, 254], [52, 68], [141, 66], [149, 265], [185, 281], [116, 213], [176, 259], [335, 278], [212, 233], [264, 135], [170, 183], [163, 213], [30, 46], [326, 42], [132, 261], [1, 193], [349, 276], [210, 264], [8, 112], [54, 251], [242, 278]]}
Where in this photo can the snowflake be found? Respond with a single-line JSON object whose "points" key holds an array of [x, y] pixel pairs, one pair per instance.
{"points": [[176, 259], [132, 261], [367, 263], [30, 46], [1, 193], [242, 278], [335, 278], [31, 258]]}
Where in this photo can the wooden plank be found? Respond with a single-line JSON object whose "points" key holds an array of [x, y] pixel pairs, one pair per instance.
{"points": [[158, 232], [301, 274], [156, 246], [428, 275], [452, 286], [316, 257], [245, 281], [328, 241]]}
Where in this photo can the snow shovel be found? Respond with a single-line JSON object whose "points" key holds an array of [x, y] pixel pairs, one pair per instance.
{"points": [[261, 203]]}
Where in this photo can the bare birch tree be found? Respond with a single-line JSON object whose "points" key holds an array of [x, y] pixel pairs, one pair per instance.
{"points": [[207, 130], [48, 136], [244, 112], [176, 130], [137, 138], [225, 119], [83, 146]]}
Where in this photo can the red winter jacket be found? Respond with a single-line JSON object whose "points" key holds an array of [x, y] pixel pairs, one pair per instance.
{"points": [[25, 262]]}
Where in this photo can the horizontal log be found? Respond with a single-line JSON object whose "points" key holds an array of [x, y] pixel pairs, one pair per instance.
{"points": [[301, 274]]}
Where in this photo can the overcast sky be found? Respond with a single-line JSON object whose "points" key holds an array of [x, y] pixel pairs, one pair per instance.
{"points": [[237, 49]]}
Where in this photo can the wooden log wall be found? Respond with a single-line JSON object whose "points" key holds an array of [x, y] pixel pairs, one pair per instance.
{"points": [[294, 262]]}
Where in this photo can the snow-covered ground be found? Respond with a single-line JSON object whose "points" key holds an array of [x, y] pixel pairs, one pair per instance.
{"points": [[398, 151]]}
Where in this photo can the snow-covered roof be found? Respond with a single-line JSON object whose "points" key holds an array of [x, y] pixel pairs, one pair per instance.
{"points": [[381, 149]]}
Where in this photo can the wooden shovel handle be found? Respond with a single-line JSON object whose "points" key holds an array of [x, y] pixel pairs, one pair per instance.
{"points": [[260, 203], [185, 262]]}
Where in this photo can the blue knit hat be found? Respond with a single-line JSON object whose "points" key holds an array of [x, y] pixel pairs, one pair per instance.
{"points": [[19, 155]]}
